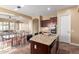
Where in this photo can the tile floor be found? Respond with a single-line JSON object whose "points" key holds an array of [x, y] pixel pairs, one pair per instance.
{"points": [[64, 48]]}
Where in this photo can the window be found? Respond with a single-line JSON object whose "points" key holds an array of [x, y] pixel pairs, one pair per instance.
{"points": [[0, 26], [5, 26], [24, 26], [12, 26]]}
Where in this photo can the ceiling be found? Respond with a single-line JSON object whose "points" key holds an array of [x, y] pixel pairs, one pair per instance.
{"points": [[37, 10]]}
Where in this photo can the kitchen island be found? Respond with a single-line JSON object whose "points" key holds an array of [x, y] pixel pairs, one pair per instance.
{"points": [[43, 44]]}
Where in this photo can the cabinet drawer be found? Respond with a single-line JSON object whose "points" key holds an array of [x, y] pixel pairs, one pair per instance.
{"points": [[38, 48]]}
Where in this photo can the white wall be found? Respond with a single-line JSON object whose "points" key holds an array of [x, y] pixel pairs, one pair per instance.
{"points": [[30, 27]]}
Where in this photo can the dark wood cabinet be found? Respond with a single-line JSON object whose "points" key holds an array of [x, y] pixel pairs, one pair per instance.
{"points": [[45, 23], [41, 48], [53, 20], [44, 49]]}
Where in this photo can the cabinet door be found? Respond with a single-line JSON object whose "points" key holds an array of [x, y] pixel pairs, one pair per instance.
{"points": [[53, 20], [41, 23], [38, 48], [45, 23]]}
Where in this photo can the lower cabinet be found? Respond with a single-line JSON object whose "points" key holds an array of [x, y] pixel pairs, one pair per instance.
{"points": [[38, 48]]}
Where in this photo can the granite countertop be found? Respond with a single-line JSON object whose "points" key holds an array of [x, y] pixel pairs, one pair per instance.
{"points": [[7, 35], [44, 39]]}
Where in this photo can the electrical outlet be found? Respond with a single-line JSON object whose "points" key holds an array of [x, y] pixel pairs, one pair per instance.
{"points": [[35, 46]]}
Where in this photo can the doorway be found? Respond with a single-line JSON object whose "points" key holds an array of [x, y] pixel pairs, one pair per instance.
{"points": [[65, 28], [35, 25]]}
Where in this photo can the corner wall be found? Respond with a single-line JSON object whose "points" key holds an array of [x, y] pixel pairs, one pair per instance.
{"points": [[74, 23]]}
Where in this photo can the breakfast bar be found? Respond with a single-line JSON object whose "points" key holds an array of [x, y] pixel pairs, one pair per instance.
{"points": [[43, 44], [12, 39]]}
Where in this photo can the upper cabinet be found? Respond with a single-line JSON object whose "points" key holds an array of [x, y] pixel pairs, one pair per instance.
{"points": [[53, 20], [45, 23]]}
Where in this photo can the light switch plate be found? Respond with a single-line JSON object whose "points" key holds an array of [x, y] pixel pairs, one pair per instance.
{"points": [[72, 30]]}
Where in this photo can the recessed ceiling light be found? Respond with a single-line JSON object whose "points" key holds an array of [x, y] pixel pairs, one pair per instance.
{"points": [[16, 9], [49, 9]]}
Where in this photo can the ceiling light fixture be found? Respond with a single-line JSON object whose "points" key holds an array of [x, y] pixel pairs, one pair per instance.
{"points": [[18, 6], [48, 9]]}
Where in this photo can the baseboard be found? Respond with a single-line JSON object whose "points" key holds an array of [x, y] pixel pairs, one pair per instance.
{"points": [[71, 43], [64, 42], [74, 44]]}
